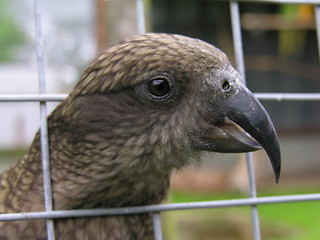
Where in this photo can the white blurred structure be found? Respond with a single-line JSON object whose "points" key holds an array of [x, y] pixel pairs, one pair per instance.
{"points": [[69, 45]]}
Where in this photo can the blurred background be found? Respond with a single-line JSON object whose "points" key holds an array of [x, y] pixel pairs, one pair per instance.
{"points": [[281, 55]]}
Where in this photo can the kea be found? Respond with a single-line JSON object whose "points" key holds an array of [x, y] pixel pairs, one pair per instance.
{"points": [[144, 108]]}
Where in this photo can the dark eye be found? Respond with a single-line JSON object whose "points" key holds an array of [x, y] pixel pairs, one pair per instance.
{"points": [[159, 86], [226, 85]]}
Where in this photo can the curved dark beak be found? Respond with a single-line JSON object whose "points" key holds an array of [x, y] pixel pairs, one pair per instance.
{"points": [[245, 111]]}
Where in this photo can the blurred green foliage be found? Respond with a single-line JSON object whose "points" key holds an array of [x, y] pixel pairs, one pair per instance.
{"points": [[11, 34], [294, 221]]}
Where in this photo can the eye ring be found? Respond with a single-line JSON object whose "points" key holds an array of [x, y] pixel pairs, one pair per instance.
{"points": [[226, 85], [159, 87]]}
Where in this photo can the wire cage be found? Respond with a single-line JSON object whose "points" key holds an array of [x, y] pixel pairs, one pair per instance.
{"points": [[253, 201]]}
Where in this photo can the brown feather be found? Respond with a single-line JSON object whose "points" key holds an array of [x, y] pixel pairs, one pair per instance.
{"points": [[110, 147]]}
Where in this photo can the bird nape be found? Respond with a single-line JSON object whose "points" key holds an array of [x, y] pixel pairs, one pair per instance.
{"points": [[144, 108]]}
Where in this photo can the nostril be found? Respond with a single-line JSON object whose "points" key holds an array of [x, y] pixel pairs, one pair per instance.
{"points": [[226, 85]]}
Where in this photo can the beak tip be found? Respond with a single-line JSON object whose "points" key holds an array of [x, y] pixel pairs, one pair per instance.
{"points": [[277, 175], [276, 165]]}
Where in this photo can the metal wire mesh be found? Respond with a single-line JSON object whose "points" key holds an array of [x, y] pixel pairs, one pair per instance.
{"points": [[253, 201]]}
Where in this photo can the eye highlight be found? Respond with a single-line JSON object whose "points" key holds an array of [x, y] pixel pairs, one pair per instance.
{"points": [[159, 86]]}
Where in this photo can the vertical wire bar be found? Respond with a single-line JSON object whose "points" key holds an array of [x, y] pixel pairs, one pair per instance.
{"points": [[237, 40], [317, 18], [141, 28], [43, 120], [141, 25], [238, 48], [253, 194], [157, 226]]}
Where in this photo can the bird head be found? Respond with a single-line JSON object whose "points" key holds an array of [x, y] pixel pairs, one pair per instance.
{"points": [[158, 100]]}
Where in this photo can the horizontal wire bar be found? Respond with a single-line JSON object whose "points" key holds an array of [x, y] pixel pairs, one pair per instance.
{"points": [[279, 1], [60, 97], [32, 97], [289, 96], [158, 208]]}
